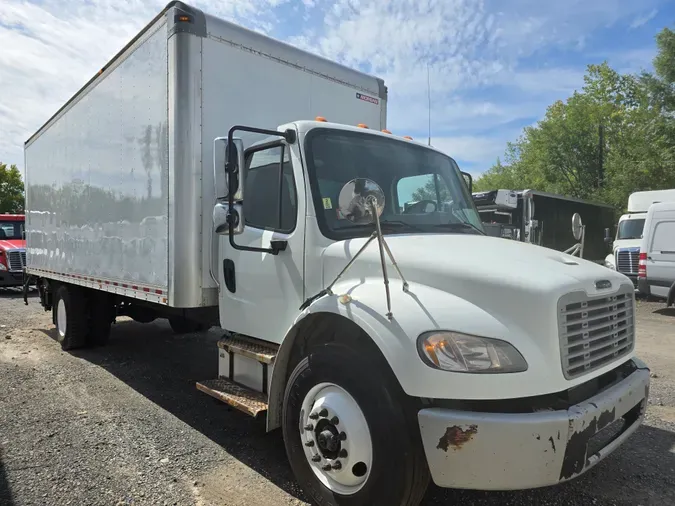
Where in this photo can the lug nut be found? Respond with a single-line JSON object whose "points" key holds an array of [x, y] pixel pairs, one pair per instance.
{"points": [[316, 458], [309, 443], [343, 436], [335, 420], [343, 453], [309, 426], [313, 416], [337, 465], [327, 467], [323, 413]]}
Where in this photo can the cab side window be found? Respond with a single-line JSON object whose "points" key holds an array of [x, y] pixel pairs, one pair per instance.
{"points": [[270, 199]]}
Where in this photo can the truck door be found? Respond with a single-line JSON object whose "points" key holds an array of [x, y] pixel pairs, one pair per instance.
{"points": [[260, 292], [661, 254]]}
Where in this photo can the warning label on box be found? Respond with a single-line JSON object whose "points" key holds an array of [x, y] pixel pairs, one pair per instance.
{"points": [[367, 98]]}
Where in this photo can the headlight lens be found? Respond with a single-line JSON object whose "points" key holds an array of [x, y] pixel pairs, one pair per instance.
{"points": [[452, 351], [3, 267]]}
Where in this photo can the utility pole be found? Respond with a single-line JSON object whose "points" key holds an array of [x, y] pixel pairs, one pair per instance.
{"points": [[429, 97], [601, 149]]}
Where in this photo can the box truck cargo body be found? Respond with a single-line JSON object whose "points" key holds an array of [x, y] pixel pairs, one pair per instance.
{"points": [[120, 181], [196, 178]]}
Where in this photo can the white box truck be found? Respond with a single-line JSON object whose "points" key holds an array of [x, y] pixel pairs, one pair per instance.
{"points": [[392, 343], [626, 244]]}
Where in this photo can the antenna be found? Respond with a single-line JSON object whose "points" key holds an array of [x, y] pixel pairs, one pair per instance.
{"points": [[429, 97]]}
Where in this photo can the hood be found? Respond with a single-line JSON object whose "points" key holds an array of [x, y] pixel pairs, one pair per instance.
{"points": [[9, 244], [626, 243], [451, 262], [510, 280]]}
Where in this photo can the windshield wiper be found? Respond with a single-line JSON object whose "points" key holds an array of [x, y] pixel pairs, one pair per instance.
{"points": [[460, 225]]}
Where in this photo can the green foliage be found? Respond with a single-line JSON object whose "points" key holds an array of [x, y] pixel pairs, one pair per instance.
{"points": [[613, 137], [11, 190]]}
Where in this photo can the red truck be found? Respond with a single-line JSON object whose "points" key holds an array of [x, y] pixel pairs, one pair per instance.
{"points": [[12, 249]]}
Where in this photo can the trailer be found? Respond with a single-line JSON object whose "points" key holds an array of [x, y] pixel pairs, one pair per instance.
{"points": [[213, 176], [545, 219]]}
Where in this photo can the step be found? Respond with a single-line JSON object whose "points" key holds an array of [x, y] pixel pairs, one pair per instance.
{"points": [[256, 349], [238, 396]]}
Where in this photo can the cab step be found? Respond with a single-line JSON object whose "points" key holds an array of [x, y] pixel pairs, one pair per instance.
{"points": [[262, 351], [238, 396]]}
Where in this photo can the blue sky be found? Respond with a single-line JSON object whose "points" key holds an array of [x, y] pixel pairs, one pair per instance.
{"points": [[494, 65]]}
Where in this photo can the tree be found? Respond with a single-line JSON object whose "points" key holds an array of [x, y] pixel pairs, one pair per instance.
{"points": [[11, 190], [614, 136]]}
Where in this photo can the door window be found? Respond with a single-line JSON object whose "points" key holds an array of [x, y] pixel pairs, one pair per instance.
{"points": [[270, 199], [663, 240]]}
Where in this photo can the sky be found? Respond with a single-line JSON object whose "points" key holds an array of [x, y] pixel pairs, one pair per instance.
{"points": [[494, 65]]}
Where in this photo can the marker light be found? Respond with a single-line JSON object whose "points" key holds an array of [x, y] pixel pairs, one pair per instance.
{"points": [[386, 131], [362, 125], [407, 137], [320, 118]]}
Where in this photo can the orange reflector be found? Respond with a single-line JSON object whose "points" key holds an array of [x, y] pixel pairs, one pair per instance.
{"points": [[386, 131], [320, 118], [407, 137], [362, 125], [184, 18]]}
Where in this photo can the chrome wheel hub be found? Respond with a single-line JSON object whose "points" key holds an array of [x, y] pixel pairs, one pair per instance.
{"points": [[336, 438]]}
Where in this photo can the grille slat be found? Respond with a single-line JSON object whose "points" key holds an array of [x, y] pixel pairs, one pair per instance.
{"points": [[594, 331], [627, 261], [16, 260]]}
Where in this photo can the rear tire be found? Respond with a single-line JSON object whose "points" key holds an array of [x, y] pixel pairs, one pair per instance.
{"points": [[182, 325], [70, 317], [397, 475]]}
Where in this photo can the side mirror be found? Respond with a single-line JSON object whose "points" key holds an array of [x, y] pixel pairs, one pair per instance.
{"points": [[221, 156], [608, 238], [468, 180], [221, 218]]}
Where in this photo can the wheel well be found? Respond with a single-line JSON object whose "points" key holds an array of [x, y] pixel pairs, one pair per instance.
{"points": [[315, 330]]}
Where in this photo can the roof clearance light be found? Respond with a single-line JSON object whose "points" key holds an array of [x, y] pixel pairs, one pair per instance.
{"points": [[362, 125], [321, 119], [407, 137], [386, 131]]}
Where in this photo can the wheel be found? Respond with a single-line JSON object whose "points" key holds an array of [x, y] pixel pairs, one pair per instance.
{"points": [[349, 435], [70, 317], [100, 319], [182, 325]]}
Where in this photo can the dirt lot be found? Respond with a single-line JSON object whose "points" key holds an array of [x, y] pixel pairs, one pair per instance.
{"points": [[125, 425]]}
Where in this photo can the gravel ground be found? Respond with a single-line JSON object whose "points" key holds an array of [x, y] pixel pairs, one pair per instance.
{"points": [[124, 425]]}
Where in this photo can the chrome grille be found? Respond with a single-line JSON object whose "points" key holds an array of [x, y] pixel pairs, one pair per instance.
{"points": [[594, 331], [627, 261], [16, 260]]}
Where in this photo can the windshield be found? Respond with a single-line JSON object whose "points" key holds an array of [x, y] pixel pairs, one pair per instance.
{"points": [[424, 190], [630, 229], [11, 230]]}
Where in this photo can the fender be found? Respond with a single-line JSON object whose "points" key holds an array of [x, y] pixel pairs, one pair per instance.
{"points": [[419, 310]]}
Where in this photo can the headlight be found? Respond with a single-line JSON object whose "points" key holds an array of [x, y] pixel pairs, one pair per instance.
{"points": [[3, 267], [452, 351]]}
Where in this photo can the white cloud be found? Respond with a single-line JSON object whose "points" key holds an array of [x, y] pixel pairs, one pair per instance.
{"points": [[476, 153], [50, 48], [644, 19]]}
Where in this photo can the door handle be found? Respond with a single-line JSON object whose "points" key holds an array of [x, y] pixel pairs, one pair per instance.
{"points": [[229, 275]]}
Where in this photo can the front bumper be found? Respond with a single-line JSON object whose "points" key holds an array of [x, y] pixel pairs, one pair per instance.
{"points": [[9, 278], [505, 451]]}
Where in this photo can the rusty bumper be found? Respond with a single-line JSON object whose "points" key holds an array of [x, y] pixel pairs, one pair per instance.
{"points": [[505, 451]]}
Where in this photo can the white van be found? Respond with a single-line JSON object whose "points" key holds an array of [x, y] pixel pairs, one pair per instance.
{"points": [[656, 270]]}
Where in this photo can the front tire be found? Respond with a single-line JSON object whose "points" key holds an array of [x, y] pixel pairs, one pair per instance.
{"points": [[349, 435], [70, 317]]}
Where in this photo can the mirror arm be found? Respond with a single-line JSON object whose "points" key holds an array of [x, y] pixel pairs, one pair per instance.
{"points": [[231, 169]]}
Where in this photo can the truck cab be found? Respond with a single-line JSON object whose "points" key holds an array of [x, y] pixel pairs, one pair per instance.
{"points": [[12, 249], [441, 339]]}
